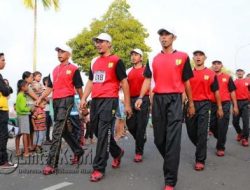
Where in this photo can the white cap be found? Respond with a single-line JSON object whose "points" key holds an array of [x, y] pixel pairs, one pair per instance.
{"points": [[170, 30], [103, 36], [139, 51], [63, 47]]}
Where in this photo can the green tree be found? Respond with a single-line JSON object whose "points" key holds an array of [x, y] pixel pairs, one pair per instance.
{"points": [[32, 4], [127, 33]]}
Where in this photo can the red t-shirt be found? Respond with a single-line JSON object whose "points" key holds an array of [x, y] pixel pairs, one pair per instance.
{"points": [[242, 88], [226, 86], [63, 81], [169, 71], [203, 84], [135, 80], [106, 73]]}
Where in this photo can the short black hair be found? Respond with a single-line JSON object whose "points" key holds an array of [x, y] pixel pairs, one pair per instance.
{"points": [[45, 79], [1, 54], [20, 84], [26, 74]]}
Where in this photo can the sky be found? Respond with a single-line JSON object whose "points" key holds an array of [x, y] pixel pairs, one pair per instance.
{"points": [[220, 28]]}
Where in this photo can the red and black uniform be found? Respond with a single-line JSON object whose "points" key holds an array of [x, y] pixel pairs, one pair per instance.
{"points": [[219, 127], [64, 79], [242, 92], [203, 84], [168, 71], [106, 73], [137, 123]]}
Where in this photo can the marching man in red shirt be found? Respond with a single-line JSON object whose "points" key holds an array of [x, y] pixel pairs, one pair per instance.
{"points": [[203, 84], [242, 92], [170, 72], [138, 122], [64, 81], [227, 88], [106, 74]]}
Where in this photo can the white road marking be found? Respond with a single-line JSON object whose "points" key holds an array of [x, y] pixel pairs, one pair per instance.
{"points": [[58, 186]]}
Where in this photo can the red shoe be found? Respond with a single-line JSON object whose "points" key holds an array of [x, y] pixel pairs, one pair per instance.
{"points": [[75, 160], [117, 161], [47, 170], [199, 166], [220, 153], [244, 142], [138, 158], [96, 176], [168, 187], [238, 137]]}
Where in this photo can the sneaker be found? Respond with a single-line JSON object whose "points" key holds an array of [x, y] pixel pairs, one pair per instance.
{"points": [[47, 170], [244, 142], [75, 160], [117, 161], [199, 166], [96, 176], [220, 153], [8, 165], [238, 137], [138, 158], [168, 187]]}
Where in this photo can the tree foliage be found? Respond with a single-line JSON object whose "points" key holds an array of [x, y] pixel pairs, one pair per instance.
{"points": [[46, 4], [127, 33]]}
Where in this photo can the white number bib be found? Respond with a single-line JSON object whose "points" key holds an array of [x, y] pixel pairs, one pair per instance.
{"points": [[99, 76]]}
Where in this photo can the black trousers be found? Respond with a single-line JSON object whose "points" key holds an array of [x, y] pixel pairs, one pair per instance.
{"points": [[4, 117], [167, 122], [102, 116], [244, 114], [219, 127], [48, 125], [76, 127], [137, 124], [89, 131], [62, 108], [197, 127]]}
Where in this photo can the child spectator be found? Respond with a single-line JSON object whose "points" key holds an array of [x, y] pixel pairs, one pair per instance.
{"points": [[48, 116], [39, 124], [36, 86], [23, 112]]}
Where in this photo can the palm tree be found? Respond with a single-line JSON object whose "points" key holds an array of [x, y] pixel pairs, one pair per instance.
{"points": [[32, 4]]}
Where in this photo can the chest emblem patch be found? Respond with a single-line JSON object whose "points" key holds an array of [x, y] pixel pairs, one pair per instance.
{"points": [[206, 77], [178, 61], [110, 65], [224, 80], [68, 72]]}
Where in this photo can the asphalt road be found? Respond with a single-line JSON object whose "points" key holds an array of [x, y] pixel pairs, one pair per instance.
{"points": [[226, 173]]}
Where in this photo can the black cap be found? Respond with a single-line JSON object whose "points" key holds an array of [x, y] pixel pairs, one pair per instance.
{"points": [[198, 51]]}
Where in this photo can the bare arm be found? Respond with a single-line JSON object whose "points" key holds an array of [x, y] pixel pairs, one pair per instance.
{"points": [[188, 90], [234, 101], [144, 89], [86, 93], [79, 92], [219, 105], [125, 89], [45, 94]]}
